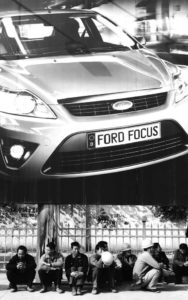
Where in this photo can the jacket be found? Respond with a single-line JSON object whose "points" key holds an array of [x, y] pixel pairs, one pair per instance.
{"points": [[127, 261], [144, 263], [179, 258], [56, 261], [96, 261], [162, 258], [80, 260], [28, 260]]}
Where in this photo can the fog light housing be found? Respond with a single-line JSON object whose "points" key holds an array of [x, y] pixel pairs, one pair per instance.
{"points": [[16, 152]]}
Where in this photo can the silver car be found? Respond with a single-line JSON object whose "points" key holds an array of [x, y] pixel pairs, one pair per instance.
{"points": [[80, 97]]}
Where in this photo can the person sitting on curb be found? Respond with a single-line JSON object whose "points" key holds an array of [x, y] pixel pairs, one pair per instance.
{"points": [[51, 268], [180, 263], [21, 269], [147, 270], [127, 259], [76, 266], [100, 272], [167, 274]]}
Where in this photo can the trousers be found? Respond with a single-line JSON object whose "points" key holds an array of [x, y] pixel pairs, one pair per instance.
{"points": [[100, 276], [76, 281], [17, 277], [151, 278], [47, 278]]}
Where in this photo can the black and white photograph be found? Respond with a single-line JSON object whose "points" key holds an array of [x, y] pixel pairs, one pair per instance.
{"points": [[93, 149]]}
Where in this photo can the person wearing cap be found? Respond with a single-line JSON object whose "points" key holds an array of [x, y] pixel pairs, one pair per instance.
{"points": [[99, 273], [147, 270], [51, 268], [127, 259]]}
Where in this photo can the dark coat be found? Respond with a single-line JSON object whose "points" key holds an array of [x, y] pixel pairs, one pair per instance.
{"points": [[28, 260], [179, 258], [162, 258], [80, 260], [127, 261]]}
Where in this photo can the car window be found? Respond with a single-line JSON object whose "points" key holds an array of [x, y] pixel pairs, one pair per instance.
{"points": [[59, 34], [113, 34]]}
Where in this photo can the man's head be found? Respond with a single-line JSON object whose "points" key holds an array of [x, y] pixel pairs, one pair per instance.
{"points": [[50, 248], [75, 247], [21, 252], [183, 248], [147, 245], [157, 248], [101, 247], [126, 249]]}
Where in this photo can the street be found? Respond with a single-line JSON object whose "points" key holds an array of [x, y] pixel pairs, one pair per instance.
{"points": [[178, 292]]}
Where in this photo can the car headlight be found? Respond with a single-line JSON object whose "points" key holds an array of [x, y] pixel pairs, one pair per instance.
{"points": [[23, 103], [180, 80], [181, 83]]}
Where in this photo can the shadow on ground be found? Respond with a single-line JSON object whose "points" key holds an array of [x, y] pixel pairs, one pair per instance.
{"points": [[87, 288]]}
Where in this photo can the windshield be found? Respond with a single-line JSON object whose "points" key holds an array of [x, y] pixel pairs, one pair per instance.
{"points": [[59, 34]]}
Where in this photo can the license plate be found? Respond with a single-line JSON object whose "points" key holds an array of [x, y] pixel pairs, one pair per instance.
{"points": [[123, 136]]}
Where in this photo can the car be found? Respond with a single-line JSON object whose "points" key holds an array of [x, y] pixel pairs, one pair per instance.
{"points": [[81, 97]]}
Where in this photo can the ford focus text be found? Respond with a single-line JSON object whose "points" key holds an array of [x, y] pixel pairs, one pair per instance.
{"points": [[80, 97]]}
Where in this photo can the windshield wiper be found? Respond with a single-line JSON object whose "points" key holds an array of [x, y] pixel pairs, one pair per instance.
{"points": [[79, 50], [109, 48], [12, 56]]}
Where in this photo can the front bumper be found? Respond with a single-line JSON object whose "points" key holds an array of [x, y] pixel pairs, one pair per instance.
{"points": [[59, 147], [73, 156]]}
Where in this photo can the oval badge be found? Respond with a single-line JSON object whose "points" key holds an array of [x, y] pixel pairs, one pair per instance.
{"points": [[122, 105]]}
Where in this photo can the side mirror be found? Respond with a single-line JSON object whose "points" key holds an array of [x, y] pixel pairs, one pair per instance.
{"points": [[141, 40]]}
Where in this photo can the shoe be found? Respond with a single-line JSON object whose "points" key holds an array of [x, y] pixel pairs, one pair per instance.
{"points": [[13, 289], [74, 293], [30, 289], [43, 290], [59, 290], [113, 290], [94, 291], [79, 291], [153, 290]]}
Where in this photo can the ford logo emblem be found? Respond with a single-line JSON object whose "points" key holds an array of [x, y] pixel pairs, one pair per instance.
{"points": [[122, 105]]}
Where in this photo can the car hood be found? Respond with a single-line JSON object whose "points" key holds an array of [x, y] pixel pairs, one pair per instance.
{"points": [[87, 75]]}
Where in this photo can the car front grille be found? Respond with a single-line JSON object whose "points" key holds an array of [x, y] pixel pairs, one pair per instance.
{"points": [[172, 142], [98, 108]]}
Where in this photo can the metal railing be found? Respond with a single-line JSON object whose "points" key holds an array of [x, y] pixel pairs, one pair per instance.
{"points": [[169, 237]]}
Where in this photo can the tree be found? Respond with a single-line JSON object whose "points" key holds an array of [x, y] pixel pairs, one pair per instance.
{"points": [[88, 227], [174, 214], [105, 219], [48, 216]]}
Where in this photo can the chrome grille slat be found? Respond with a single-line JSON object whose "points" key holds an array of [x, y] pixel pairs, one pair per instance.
{"points": [[105, 151], [93, 162], [105, 107], [111, 158], [145, 151]]}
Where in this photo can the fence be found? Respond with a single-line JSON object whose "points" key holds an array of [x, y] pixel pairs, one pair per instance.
{"points": [[168, 236], [11, 238]]}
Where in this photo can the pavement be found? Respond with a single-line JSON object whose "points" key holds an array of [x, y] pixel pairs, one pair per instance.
{"points": [[170, 291]]}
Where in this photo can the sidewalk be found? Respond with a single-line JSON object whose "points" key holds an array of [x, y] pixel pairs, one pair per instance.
{"points": [[171, 291]]}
